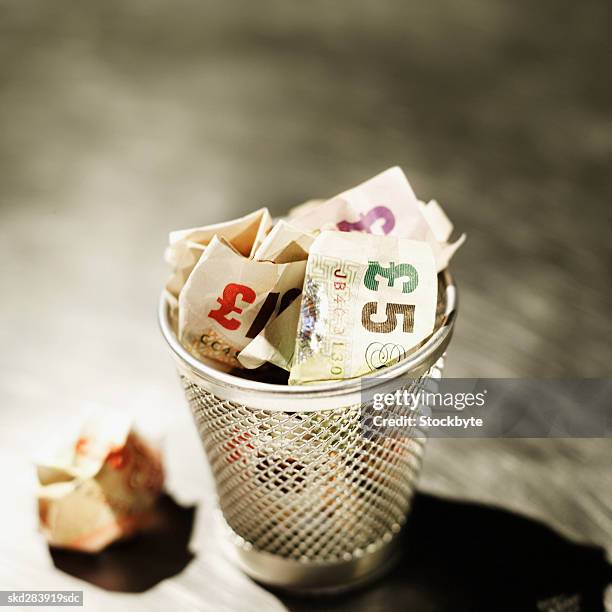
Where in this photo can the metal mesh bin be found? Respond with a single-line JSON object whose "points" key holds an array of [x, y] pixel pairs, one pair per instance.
{"points": [[308, 502]]}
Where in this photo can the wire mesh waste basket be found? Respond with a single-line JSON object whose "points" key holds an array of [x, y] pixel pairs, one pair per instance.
{"points": [[309, 502]]}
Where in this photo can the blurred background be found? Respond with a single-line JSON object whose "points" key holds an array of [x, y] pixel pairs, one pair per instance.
{"points": [[121, 121]]}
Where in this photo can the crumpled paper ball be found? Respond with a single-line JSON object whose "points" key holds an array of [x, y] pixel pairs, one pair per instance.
{"points": [[98, 487]]}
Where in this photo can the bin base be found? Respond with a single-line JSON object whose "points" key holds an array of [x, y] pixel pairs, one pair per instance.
{"points": [[311, 578]]}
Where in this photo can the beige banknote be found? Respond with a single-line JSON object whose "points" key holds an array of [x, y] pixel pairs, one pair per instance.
{"points": [[275, 343], [228, 299], [384, 204], [186, 246], [186, 256], [367, 301], [99, 485], [284, 244], [441, 228]]}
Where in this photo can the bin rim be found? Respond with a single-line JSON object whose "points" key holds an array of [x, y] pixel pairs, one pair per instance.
{"points": [[230, 387]]}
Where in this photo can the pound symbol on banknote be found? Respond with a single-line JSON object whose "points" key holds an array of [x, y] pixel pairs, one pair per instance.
{"points": [[365, 222], [228, 305], [391, 273]]}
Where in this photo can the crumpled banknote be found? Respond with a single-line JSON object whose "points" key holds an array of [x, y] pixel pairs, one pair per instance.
{"points": [[228, 299], [367, 301], [386, 205], [275, 342], [98, 487], [284, 244], [186, 246]]}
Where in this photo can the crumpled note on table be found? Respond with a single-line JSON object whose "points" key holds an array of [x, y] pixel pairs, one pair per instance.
{"points": [[236, 291], [99, 487]]}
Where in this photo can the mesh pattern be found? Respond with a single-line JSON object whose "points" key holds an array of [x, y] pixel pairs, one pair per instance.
{"points": [[306, 486]]}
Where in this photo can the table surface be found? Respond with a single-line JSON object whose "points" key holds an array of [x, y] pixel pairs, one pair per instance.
{"points": [[123, 120]]}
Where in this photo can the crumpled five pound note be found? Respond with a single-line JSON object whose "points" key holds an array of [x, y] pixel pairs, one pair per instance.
{"points": [[98, 487], [367, 301]]}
